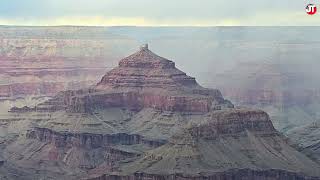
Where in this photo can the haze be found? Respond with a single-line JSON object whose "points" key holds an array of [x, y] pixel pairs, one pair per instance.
{"points": [[156, 13]]}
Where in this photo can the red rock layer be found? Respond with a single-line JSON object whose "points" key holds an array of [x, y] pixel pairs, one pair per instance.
{"points": [[137, 101], [144, 80], [234, 121], [146, 69]]}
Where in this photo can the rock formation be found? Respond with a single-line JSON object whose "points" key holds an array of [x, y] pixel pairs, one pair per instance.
{"points": [[144, 80], [42, 61], [287, 89], [146, 119]]}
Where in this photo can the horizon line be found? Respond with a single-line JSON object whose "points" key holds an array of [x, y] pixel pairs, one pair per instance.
{"points": [[182, 26]]}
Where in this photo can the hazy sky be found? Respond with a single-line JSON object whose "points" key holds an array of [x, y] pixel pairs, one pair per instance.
{"points": [[157, 12]]}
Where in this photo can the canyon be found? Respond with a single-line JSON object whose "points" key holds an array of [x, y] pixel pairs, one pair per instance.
{"points": [[144, 112], [147, 119], [44, 61]]}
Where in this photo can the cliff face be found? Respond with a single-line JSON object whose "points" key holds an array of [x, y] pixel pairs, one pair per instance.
{"points": [[234, 122], [146, 69], [40, 43], [87, 140], [145, 80], [42, 61], [287, 89], [146, 119], [226, 142]]}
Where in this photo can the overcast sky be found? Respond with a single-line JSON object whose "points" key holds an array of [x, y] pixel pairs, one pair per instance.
{"points": [[157, 12]]}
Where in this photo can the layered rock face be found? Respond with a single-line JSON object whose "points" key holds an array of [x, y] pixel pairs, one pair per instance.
{"points": [[41, 81], [228, 144], [145, 69], [234, 122], [42, 61], [288, 89], [146, 119], [145, 80], [88, 140]]}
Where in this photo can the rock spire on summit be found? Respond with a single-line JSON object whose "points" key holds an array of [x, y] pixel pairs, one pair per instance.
{"points": [[144, 47]]}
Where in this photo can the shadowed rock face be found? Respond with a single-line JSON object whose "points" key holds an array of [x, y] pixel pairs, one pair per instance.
{"points": [[87, 140], [146, 119]]}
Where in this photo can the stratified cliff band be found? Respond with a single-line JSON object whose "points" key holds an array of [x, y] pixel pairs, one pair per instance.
{"points": [[146, 119]]}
